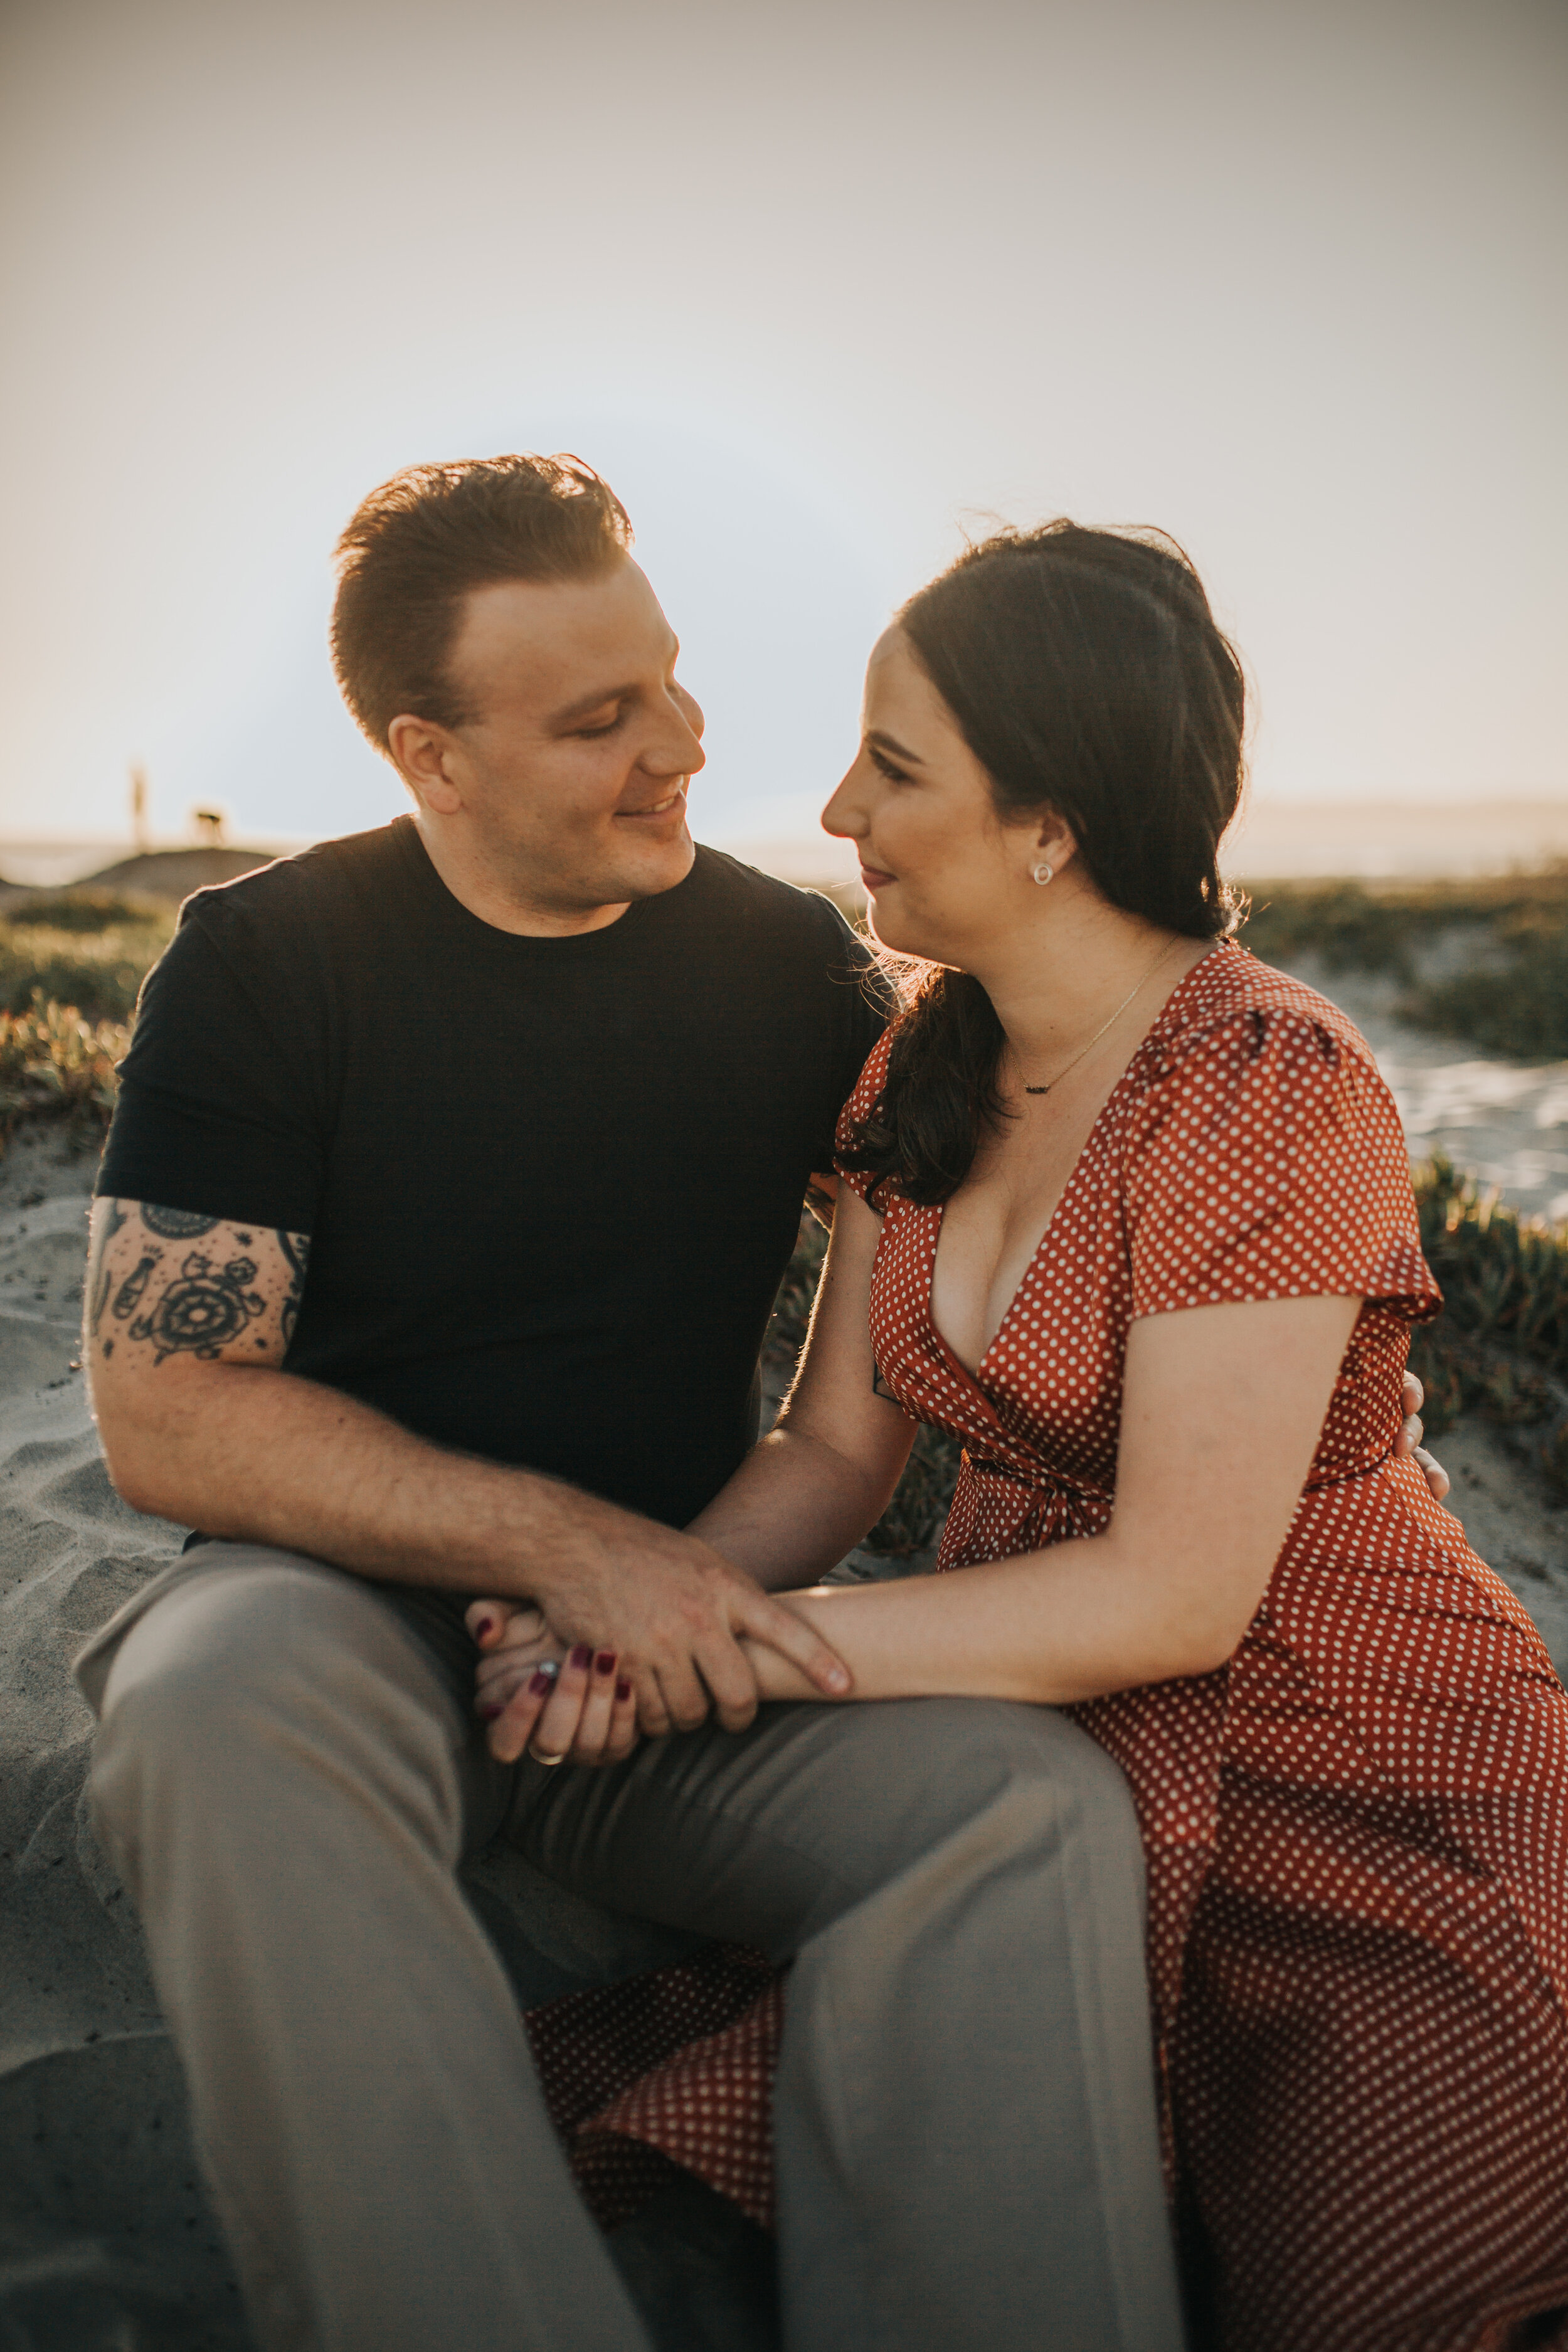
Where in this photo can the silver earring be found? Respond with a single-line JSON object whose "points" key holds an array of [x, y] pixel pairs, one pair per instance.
{"points": [[1043, 872]]}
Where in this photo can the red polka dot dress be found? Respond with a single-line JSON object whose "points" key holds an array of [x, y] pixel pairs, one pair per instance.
{"points": [[1357, 1830]]}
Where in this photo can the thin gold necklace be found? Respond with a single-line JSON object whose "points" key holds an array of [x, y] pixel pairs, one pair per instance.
{"points": [[1116, 1017]]}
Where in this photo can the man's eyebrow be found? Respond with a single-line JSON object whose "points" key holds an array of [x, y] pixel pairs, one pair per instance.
{"points": [[885, 742], [588, 702]]}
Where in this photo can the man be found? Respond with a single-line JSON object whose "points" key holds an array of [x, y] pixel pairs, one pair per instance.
{"points": [[453, 1171]]}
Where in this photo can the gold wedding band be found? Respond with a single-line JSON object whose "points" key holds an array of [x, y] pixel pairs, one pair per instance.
{"points": [[550, 1760]]}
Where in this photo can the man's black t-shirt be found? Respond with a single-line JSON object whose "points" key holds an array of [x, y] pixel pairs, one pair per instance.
{"points": [[550, 1183]]}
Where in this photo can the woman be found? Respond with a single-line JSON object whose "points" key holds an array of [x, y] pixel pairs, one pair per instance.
{"points": [[1129, 1214]]}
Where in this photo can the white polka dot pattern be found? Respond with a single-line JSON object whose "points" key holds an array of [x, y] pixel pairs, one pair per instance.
{"points": [[677, 2065], [1356, 1832]]}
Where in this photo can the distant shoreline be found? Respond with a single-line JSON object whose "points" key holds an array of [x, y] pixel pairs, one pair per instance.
{"points": [[1285, 841], [1275, 841]]}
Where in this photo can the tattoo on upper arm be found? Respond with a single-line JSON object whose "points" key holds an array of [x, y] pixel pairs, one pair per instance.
{"points": [[175, 1224], [98, 1274], [196, 1302], [296, 1249], [128, 1297], [202, 1312]]}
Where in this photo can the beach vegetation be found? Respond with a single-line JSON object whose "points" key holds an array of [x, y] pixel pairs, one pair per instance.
{"points": [[1501, 981], [90, 949], [55, 1064], [1499, 1349]]}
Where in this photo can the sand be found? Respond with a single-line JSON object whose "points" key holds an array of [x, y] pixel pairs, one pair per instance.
{"points": [[105, 2240]]}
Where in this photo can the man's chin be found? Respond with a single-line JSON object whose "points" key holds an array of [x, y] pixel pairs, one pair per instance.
{"points": [[646, 867]]}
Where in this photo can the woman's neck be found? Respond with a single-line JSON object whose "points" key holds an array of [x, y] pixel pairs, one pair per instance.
{"points": [[1054, 984]]}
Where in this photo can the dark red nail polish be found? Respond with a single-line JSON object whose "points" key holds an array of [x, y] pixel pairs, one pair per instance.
{"points": [[490, 1712], [623, 1689], [483, 1625], [540, 1682], [581, 1656], [604, 1663]]}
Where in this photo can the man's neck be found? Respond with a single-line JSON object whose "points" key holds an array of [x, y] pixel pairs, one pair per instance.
{"points": [[501, 899]]}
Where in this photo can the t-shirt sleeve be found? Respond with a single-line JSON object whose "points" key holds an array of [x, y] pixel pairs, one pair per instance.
{"points": [[861, 1103], [219, 1095], [1271, 1163]]}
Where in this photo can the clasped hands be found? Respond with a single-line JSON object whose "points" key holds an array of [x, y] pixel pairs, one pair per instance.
{"points": [[633, 1643], [628, 1641]]}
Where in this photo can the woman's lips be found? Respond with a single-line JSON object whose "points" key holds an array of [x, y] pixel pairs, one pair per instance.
{"points": [[873, 878]]}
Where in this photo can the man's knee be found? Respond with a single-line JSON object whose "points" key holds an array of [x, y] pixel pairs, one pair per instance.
{"points": [[244, 1661], [942, 1762]]}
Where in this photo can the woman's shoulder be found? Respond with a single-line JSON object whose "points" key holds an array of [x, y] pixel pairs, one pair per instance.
{"points": [[1232, 1007], [873, 1077]]}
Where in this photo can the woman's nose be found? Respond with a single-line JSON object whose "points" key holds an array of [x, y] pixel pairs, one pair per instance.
{"points": [[843, 816]]}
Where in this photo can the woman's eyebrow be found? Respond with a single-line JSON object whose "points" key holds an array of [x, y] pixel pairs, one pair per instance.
{"points": [[885, 742]]}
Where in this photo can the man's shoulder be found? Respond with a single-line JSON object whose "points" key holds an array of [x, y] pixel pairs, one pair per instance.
{"points": [[355, 871], [721, 882]]}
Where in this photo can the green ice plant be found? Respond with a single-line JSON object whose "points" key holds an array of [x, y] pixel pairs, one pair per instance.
{"points": [[56, 1065], [1510, 994]]}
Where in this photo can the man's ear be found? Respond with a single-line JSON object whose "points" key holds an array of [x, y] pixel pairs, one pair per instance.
{"points": [[421, 753]]}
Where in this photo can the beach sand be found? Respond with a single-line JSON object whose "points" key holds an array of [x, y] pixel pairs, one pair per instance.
{"points": [[105, 2238]]}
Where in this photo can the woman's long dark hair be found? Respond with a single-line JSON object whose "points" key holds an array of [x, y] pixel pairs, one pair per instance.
{"points": [[1088, 677]]}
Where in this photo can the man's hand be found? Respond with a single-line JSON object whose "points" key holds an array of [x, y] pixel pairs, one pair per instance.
{"points": [[675, 1614], [1409, 1438]]}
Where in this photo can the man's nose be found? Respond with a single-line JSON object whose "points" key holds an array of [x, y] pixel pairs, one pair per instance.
{"points": [[676, 750]]}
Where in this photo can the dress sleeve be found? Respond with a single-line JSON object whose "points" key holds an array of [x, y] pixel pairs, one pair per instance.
{"points": [[1271, 1163], [867, 1087]]}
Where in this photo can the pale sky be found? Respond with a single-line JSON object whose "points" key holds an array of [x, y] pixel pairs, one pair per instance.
{"points": [[816, 284]]}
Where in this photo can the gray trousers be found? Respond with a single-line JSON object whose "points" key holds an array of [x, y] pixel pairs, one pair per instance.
{"points": [[288, 1774]]}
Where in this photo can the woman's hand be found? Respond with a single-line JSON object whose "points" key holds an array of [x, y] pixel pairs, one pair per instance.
{"points": [[557, 1704], [1409, 1439], [512, 1629]]}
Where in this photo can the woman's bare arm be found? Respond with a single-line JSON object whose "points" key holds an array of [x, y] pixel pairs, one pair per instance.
{"points": [[825, 1473], [1221, 1415]]}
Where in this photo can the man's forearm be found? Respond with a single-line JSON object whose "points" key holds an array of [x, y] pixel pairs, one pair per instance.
{"points": [[261, 1455]]}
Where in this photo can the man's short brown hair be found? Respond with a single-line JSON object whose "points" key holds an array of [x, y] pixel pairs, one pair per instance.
{"points": [[416, 547]]}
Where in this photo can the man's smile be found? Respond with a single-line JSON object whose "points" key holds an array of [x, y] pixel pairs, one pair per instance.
{"points": [[674, 799]]}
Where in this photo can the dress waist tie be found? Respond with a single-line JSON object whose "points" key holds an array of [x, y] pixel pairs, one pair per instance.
{"points": [[1057, 1507]]}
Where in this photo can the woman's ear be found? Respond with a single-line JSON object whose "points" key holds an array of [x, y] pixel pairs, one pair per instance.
{"points": [[1051, 846]]}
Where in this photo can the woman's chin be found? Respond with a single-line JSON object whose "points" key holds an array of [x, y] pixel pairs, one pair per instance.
{"points": [[893, 930]]}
